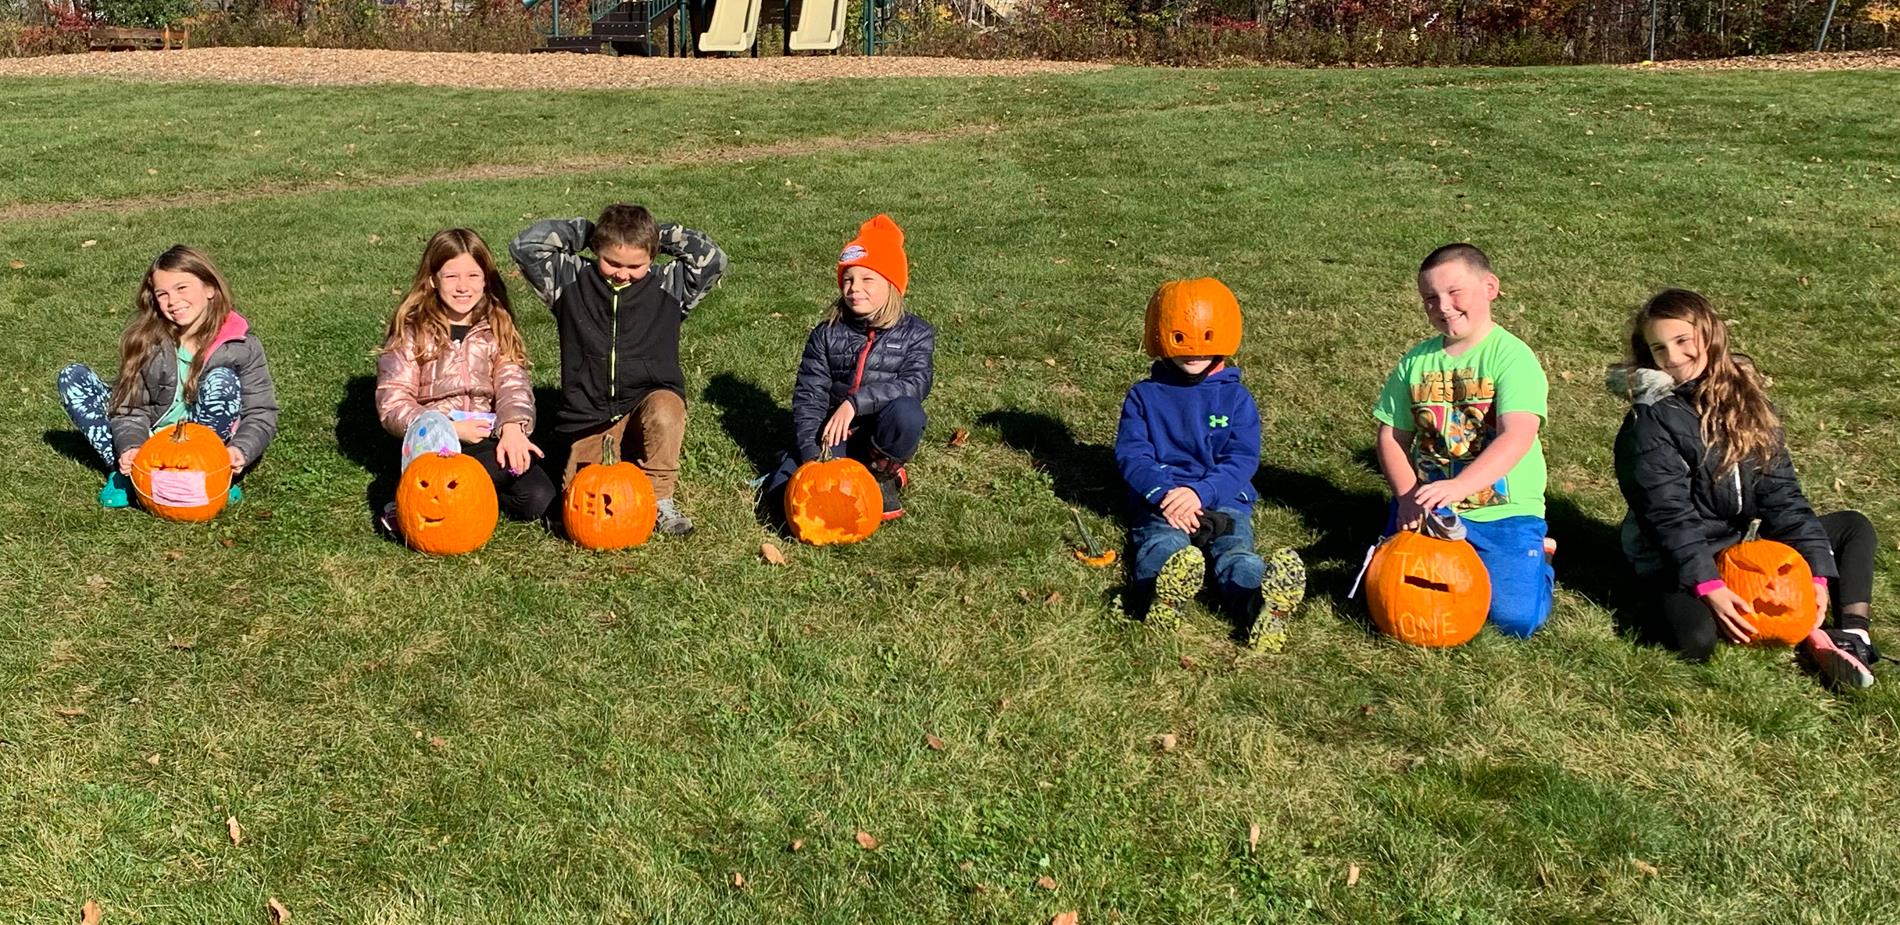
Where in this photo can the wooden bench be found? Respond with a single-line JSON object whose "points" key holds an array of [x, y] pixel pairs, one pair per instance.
{"points": [[120, 38]]}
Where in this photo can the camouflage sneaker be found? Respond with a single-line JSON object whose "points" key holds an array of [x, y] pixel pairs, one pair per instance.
{"points": [[1180, 579], [1282, 586], [669, 520]]}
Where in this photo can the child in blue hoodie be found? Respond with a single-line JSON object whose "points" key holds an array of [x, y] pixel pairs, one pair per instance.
{"points": [[1188, 445]]}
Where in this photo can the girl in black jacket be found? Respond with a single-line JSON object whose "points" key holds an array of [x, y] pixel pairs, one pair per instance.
{"points": [[865, 372], [1701, 455]]}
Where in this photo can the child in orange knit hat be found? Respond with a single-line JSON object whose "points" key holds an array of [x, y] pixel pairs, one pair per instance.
{"points": [[866, 370]]}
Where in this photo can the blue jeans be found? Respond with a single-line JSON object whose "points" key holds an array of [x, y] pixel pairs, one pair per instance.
{"points": [[1235, 567], [87, 398], [1522, 580]]}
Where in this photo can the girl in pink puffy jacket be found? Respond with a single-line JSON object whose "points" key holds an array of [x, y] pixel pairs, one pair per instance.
{"points": [[452, 348]]}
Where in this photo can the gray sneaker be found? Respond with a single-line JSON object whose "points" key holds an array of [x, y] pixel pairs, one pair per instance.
{"points": [[669, 521]]}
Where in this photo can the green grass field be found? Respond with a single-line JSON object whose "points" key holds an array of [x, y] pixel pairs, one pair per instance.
{"points": [[535, 734]]}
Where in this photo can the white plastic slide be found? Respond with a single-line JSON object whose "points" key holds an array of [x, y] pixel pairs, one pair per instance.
{"points": [[820, 25], [734, 26]]}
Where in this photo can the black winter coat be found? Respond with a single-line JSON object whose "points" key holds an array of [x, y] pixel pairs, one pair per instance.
{"points": [[848, 360], [1682, 513]]}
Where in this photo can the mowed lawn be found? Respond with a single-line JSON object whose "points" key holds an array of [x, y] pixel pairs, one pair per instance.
{"points": [[683, 733]]}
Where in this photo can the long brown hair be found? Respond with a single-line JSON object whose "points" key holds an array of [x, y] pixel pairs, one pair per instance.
{"points": [[1737, 420], [422, 320], [149, 330]]}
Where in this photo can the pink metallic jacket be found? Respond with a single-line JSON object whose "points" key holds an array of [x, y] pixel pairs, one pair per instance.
{"points": [[465, 377]]}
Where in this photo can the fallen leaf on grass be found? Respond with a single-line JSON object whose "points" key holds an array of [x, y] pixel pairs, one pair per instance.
{"points": [[227, 542], [958, 437], [1644, 867], [771, 554], [936, 744], [1055, 597], [438, 742], [152, 759], [16, 264], [69, 712], [1188, 662], [1066, 918], [1046, 882], [1253, 836], [797, 845], [151, 171], [88, 243], [279, 913], [174, 555], [89, 913], [866, 841], [1352, 875], [237, 831], [95, 582], [738, 880], [1166, 741]]}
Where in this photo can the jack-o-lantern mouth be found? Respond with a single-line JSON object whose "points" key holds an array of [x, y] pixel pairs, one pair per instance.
{"points": [[1420, 581]]}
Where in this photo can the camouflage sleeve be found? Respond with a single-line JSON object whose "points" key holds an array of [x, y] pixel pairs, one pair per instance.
{"points": [[549, 254], [697, 264]]}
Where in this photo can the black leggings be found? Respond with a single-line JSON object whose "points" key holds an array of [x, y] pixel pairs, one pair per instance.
{"points": [[1673, 617], [526, 496]]}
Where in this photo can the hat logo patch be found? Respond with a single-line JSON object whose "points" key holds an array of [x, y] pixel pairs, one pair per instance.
{"points": [[854, 252]]}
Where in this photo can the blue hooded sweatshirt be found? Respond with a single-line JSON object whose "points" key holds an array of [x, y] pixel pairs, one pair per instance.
{"points": [[1175, 431]]}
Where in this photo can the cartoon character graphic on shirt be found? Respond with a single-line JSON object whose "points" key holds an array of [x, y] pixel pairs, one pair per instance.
{"points": [[1450, 435]]}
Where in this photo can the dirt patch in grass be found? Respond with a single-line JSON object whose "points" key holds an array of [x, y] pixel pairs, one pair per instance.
{"points": [[1878, 59], [330, 66]]}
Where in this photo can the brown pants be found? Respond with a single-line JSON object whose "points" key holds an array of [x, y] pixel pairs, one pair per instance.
{"points": [[652, 442]]}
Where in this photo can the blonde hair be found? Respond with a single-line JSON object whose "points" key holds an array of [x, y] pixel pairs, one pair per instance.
{"points": [[883, 319], [1736, 419], [422, 320], [149, 330]]}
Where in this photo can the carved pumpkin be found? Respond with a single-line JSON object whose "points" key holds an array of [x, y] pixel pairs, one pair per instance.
{"points": [[1192, 318], [446, 505], [609, 505], [1426, 591], [833, 501], [1777, 584], [183, 472]]}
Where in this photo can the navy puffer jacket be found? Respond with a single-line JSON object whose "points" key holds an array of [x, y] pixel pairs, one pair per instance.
{"points": [[848, 360]]}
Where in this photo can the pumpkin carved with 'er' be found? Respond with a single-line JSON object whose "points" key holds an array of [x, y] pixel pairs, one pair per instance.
{"points": [[183, 472], [833, 501], [1192, 318], [609, 505], [446, 505], [1427, 591], [1778, 586]]}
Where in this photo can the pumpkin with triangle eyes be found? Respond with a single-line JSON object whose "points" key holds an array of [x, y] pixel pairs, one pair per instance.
{"points": [[183, 473], [1427, 591], [1192, 318], [609, 505], [1778, 586], [446, 505]]}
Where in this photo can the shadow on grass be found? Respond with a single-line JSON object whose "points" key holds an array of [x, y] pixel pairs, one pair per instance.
{"points": [[1084, 474], [1348, 521], [763, 430], [73, 445], [1589, 559], [360, 439]]}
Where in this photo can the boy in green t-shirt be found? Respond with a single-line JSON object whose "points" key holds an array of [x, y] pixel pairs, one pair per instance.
{"points": [[1458, 422]]}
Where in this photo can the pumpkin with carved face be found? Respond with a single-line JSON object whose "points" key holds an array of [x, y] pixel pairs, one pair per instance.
{"points": [[446, 505], [1192, 318], [833, 501], [609, 505], [183, 473], [1426, 591], [1778, 586]]}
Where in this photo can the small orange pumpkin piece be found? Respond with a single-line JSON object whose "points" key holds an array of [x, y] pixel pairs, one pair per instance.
{"points": [[1105, 558], [1426, 591], [1778, 586], [446, 505], [609, 505], [1192, 318], [183, 473], [832, 501]]}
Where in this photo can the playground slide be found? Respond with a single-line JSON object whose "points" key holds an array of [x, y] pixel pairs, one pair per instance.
{"points": [[820, 25], [734, 26]]}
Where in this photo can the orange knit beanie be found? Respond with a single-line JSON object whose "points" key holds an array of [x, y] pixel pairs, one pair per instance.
{"points": [[880, 247]]}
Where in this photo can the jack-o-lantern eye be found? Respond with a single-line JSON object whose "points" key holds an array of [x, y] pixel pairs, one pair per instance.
{"points": [[609, 505], [458, 518], [1183, 306], [453, 484]]}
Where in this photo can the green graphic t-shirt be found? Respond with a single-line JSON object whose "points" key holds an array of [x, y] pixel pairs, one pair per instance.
{"points": [[1453, 405]]}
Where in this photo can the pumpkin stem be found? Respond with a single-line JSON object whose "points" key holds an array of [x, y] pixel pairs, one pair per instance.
{"points": [[1754, 530], [608, 451], [824, 453], [178, 432]]}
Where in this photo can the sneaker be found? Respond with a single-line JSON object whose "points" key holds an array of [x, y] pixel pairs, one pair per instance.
{"points": [[890, 484], [1179, 580], [1550, 549], [1282, 587], [116, 492], [386, 521], [1444, 524], [1842, 659], [669, 521]]}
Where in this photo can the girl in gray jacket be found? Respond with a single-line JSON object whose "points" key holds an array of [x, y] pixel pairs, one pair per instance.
{"points": [[187, 355]]}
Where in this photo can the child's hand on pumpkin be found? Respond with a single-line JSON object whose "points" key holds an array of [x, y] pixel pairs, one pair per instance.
{"points": [[515, 451], [1409, 514], [838, 426], [1443, 493], [1181, 507], [473, 430], [237, 459], [1731, 615], [125, 460]]}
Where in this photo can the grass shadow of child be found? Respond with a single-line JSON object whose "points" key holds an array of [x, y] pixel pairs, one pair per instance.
{"points": [[74, 446], [1083, 474], [761, 428]]}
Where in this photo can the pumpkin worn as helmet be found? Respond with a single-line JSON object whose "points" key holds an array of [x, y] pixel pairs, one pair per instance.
{"points": [[1192, 318]]}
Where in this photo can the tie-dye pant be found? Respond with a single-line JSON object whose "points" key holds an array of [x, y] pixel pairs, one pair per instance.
{"points": [[86, 397]]}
